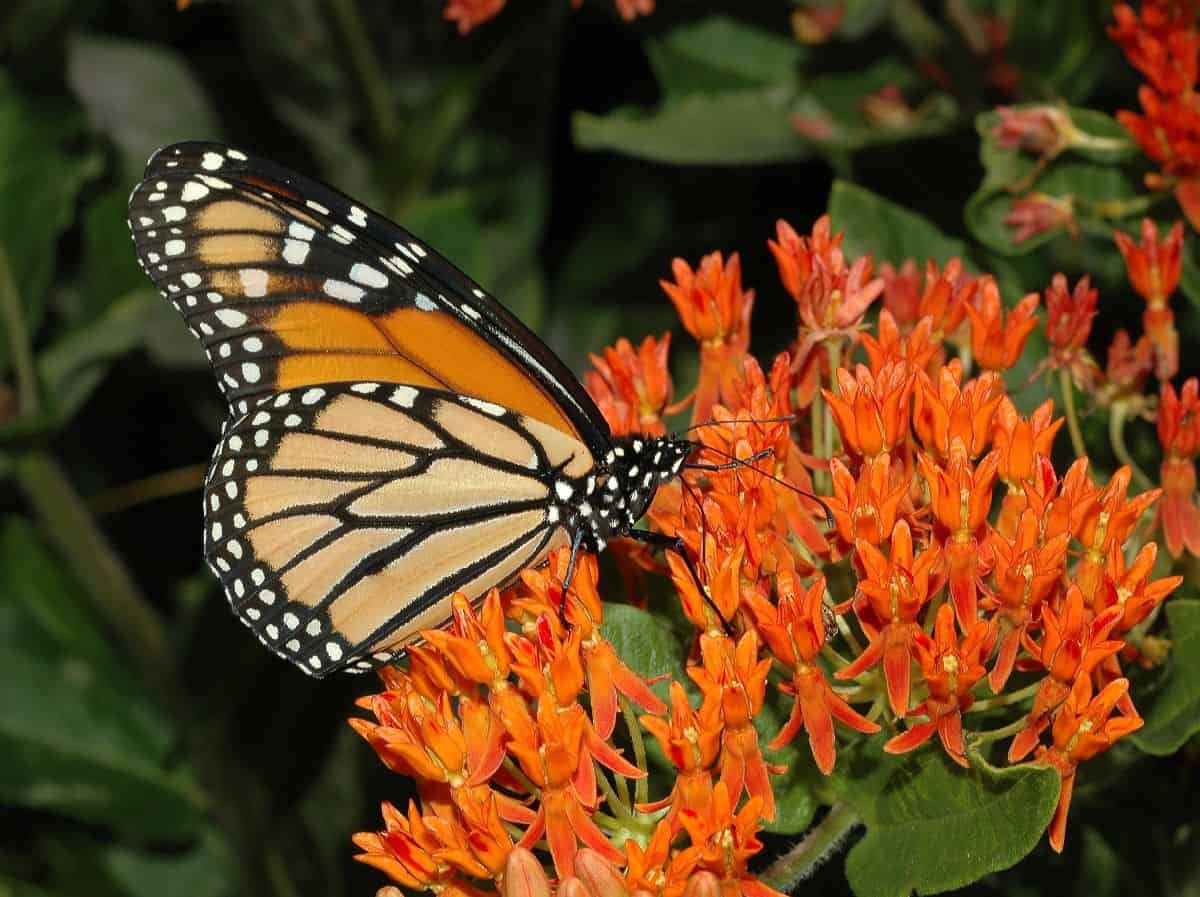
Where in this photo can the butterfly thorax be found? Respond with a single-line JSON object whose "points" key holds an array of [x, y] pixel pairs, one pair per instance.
{"points": [[609, 501]]}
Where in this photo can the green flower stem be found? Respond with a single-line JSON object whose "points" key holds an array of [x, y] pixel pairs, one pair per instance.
{"points": [[367, 70], [1068, 395], [1116, 209], [834, 348], [817, 846], [18, 339], [981, 738], [641, 786], [159, 485], [1015, 697], [822, 481], [517, 773], [1083, 140], [65, 519], [623, 812], [1117, 417]]}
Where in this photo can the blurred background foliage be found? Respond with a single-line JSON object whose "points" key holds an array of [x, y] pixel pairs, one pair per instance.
{"points": [[148, 745]]}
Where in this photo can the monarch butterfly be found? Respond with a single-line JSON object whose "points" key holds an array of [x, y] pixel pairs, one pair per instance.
{"points": [[395, 434]]}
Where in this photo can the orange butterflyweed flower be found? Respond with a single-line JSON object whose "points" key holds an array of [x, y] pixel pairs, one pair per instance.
{"points": [[872, 411], [716, 311], [1036, 213], [950, 671], [1073, 643], [469, 13], [1043, 130], [1020, 440], [1154, 268], [410, 853], [632, 387], [795, 632], [960, 495], [1069, 315], [724, 841], [998, 340], [629, 9], [1027, 572], [550, 757], [895, 589], [943, 297], [722, 586], [866, 509], [1105, 523], [604, 672], [946, 411], [1130, 588], [832, 297], [691, 740], [1179, 435], [1162, 43], [1083, 728], [733, 680], [918, 347], [1128, 366]]}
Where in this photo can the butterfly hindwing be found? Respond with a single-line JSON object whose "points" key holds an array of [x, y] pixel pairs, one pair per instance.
{"points": [[341, 517], [288, 283]]}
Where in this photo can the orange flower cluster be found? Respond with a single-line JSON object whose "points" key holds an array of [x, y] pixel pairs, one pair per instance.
{"points": [[1162, 43], [948, 558]]}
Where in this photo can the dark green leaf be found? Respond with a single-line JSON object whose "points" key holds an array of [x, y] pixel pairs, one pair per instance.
{"points": [[932, 825], [720, 54], [1174, 717], [741, 127], [110, 268], [650, 644], [206, 869], [140, 96], [39, 183], [876, 226], [80, 736]]}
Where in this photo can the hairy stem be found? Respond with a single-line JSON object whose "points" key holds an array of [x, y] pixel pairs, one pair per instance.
{"points": [[18, 339], [1117, 417], [641, 786], [818, 845]]}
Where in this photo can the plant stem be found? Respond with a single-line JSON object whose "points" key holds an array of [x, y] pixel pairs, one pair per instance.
{"points": [[160, 485], [1004, 700], [18, 340], [1118, 414], [517, 773], [367, 69], [821, 478], [818, 845], [641, 786], [622, 810], [834, 348], [1068, 394], [66, 520], [980, 738]]}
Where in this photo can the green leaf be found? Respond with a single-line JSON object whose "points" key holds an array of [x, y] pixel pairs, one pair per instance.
{"points": [[110, 268], [740, 127], [140, 96], [1174, 716], [80, 736], [40, 183], [650, 644], [879, 227], [932, 825], [207, 869], [720, 54]]}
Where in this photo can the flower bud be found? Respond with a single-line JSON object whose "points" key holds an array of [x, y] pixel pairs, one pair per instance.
{"points": [[524, 875], [601, 877]]}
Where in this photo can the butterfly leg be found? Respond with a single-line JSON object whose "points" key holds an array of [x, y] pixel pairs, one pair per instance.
{"points": [[677, 545], [576, 542]]}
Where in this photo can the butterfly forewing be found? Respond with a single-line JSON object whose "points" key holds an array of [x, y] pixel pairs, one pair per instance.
{"points": [[340, 518], [288, 283]]}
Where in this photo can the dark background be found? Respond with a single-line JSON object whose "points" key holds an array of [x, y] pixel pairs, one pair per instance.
{"points": [[223, 771]]}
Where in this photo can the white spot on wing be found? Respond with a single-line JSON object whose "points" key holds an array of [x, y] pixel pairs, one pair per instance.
{"points": [[192, 191], [254, 282], [339, 289], [231, 317], [368, 276]]}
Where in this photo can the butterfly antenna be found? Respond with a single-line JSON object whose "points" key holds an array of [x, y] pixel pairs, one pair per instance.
{"points": [[735, 461], [787, 419]]}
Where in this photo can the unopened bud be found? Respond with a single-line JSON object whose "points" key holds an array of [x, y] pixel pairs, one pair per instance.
{"points": [[524, 875], [602, 878], [703, 884]]}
